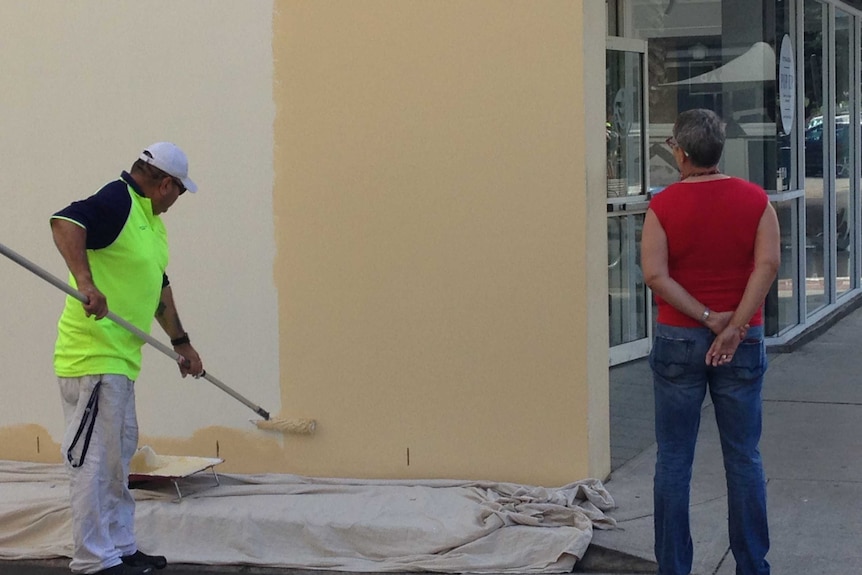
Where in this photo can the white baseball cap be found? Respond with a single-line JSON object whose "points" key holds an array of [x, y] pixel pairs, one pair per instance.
{"points": [[171, 160]]}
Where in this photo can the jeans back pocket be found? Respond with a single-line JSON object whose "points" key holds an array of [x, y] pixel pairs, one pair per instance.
{"points": [[749, 361], [671, 357]]}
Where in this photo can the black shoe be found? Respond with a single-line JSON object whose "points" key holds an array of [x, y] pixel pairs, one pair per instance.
{"points": [[123, 569], [138, 559]]}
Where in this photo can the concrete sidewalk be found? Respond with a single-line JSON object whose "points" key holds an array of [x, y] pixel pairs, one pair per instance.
{"points": [[812, 452]]}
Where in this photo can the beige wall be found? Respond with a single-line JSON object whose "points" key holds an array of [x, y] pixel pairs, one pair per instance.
{"points": [[400, 229], [441, 264], [86, 85]]}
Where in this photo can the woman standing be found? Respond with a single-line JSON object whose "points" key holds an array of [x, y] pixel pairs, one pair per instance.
{"points": [[710, 252]]}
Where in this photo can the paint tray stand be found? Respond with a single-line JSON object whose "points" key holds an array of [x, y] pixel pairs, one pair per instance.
{"points": [[147, 466]]}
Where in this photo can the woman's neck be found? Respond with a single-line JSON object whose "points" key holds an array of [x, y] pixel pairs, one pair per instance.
{"points": [[694, 173]]}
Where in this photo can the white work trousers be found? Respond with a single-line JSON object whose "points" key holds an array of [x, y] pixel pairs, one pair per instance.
{"points": [[103, 509]]}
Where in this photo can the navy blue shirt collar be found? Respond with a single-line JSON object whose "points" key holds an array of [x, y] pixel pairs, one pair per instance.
{"points": [[126, 177]]}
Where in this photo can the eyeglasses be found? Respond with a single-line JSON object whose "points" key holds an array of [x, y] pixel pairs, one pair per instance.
{"points": [[673, 144], [179, 185]]}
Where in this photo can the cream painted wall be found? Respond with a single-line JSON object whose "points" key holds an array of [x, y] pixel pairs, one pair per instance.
{"points": [[86, 85], [441, 261], [595, 174]]}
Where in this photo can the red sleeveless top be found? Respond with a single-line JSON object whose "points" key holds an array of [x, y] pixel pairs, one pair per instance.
{"points": [[711, 228]]}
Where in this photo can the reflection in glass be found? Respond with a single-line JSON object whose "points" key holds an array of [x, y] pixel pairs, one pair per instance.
{"points": [[709, 67], [843, 143], [781, 310], [815, 175], [788, 149], [627, 293], [623, 124]]}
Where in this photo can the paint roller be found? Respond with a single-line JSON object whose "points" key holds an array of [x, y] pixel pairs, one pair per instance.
{"points": [[295, 426]]}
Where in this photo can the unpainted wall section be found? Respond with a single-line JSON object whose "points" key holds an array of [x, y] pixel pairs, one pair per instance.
{"points": [[441, 292]]}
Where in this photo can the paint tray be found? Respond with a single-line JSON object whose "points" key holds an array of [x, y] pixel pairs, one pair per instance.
{"points": [[148, 466]]}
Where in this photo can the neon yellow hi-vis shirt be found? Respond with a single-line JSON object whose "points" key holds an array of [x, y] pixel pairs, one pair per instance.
{"points": [[129, 272]]}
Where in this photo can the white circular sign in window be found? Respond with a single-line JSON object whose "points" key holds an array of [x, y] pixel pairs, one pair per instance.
{"points": [[786, 84]]}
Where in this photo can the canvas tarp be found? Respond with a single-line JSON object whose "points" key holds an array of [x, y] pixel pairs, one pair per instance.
{"points": [[338, 524]]}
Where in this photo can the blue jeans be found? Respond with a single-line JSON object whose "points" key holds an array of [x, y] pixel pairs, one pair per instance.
{"points": [[681, 378]]}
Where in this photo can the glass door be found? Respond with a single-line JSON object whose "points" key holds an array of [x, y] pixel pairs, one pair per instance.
{"points": [[831, 156], [818, 140], [629, 309], [843, 144]]}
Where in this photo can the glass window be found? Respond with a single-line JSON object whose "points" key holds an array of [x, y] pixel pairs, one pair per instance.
{"points": [[730, 56], [623, 124], [784, 75], [611, 17], [712, 55], [788, 153], [782, 307], [627, 293], [816, 180], [628, 298], [843, 145]]}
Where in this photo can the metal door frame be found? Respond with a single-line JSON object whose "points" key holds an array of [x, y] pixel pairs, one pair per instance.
{"points": [[632, 205]]}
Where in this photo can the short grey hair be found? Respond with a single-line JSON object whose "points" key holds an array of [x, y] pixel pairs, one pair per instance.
{"points": [[700, 134]]}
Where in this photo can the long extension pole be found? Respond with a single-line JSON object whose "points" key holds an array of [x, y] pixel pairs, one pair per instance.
{"points": [[301, 426]]}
